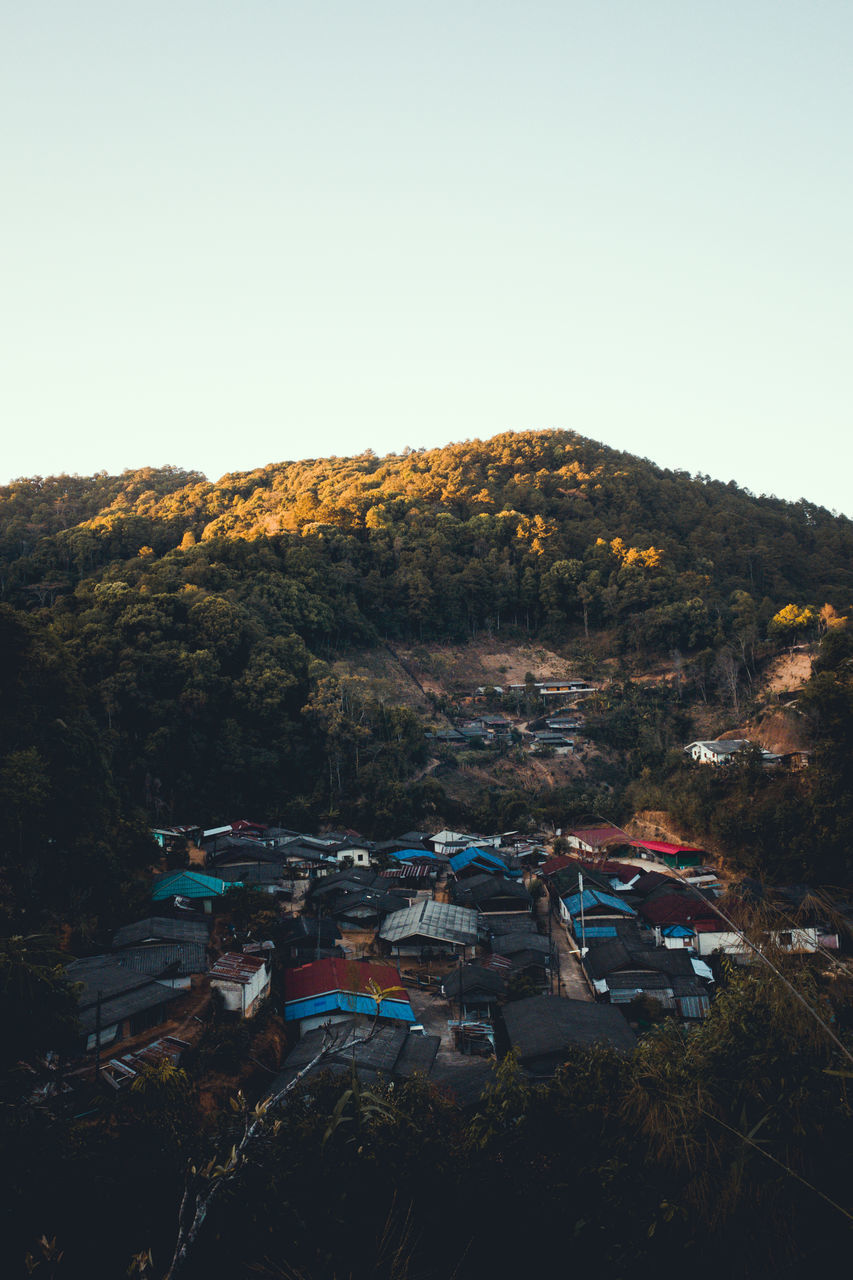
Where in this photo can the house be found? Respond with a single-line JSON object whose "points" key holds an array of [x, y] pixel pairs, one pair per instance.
{"points": [[558, 862], [306, 938], [337, 883], [528, 953], [212, 835], [365, 908], [615, 961], [266, 877], [243, 827], [239, 851], [592, 907], [622, 877], [521, 942], [678, 856], [719, 751], [353, 853], [201, 889], [595, 835], [564, 688], [243, 980], [418, 857], [544, 1029], [392, 1052], [710, 932], [553, 741], [474, 990], [154, 930], [116, 1001], [473, 861], [412, 877], [332, 990], [491, 893], [448, 842], [430, 928]]}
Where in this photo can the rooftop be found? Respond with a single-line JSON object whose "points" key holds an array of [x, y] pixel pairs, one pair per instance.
{"points": [[234, 966], [439, 920]]}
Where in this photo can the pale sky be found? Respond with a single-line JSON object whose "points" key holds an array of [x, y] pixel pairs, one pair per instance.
{"points": [[237, 233]]}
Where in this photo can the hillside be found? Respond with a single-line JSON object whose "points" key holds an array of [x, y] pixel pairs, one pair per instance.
{"points": [[277, 643]]}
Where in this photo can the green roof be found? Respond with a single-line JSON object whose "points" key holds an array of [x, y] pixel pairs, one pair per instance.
{"points": [[188, 884]]}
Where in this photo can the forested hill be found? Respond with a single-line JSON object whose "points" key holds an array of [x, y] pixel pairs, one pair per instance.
{"points": [[180, 633], [538, 529]]}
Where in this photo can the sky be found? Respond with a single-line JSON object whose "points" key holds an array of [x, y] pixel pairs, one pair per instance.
{"points": [[239, 233]]}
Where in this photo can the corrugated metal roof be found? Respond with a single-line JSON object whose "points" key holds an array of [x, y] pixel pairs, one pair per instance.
{"points": [[188, 884], [120, 991], [235, 966], [162, 929], [324, 976], [347, 1002], [663, 846], [458, 861], [441, 921], [600, 835], [595, 898], [184, 957]]}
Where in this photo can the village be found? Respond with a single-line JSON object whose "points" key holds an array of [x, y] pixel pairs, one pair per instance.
{"points": [[432, 953]]}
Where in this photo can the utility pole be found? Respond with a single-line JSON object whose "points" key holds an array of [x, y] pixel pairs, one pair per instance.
{"points": [[98, 1038]]}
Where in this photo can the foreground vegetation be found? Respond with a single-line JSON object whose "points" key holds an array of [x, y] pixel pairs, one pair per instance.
{"points": [[727, 1146]]}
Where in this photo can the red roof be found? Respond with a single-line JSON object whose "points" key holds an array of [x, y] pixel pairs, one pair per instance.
{"points": [[557, 863], [334, 974], [682, 908], [661, 846], [597, 836]]}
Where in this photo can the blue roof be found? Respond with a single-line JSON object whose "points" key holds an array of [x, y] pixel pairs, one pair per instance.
{"points": [[600, 930], [472, 854], [411, 855], [595, 898], [188, 884], [346, 1002], [676, 931]]}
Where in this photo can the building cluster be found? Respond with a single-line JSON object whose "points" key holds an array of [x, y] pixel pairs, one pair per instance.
{"points": [[556, 731], [423, 952]]}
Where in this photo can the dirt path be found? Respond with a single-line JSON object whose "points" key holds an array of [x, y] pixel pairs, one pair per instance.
{"points": [[568, 979]]}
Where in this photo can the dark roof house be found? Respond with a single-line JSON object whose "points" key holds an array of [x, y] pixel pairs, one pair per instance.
{"points": [[544, 1029]]}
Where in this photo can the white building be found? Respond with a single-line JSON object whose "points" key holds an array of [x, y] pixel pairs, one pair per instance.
{"points": [[243, 980]]}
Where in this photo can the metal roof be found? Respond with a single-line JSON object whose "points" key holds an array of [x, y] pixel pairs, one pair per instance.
{"points": [[322, 976], [183, 958], [544, 1025], [473, 854], [442, 921], [188, 884], [161, 929], [235, 966], [594, 898], [347, 1002], [120, 991]]}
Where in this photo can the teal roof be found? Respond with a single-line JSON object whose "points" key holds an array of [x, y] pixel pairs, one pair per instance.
{"points": [[188, 884]]}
